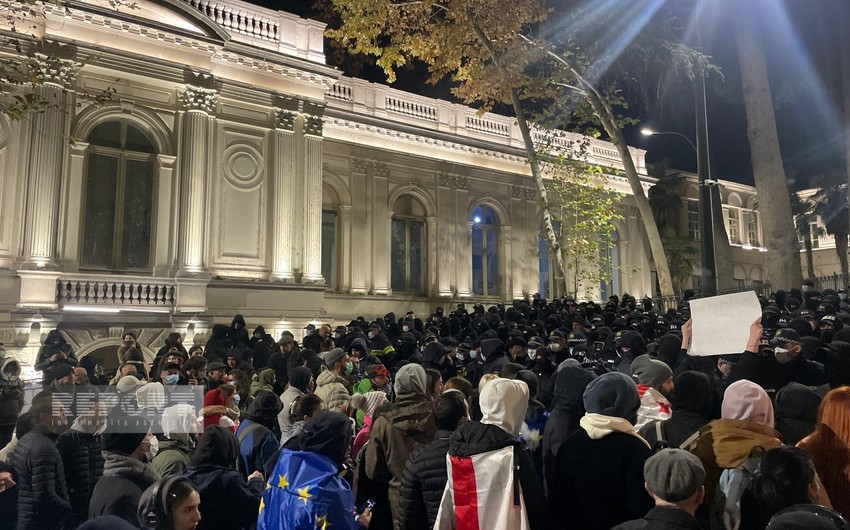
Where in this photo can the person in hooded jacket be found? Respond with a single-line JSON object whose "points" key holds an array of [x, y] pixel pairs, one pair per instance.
{"points": [[731, 448], [503, 405], [306, 489], [218, 344], [81, 449], [238, 333], [179, 432], [126, 471], [567, 411], [11, 395], [425, 472], [796, 412], [53, 353], [398, 432], [494, 356], [602, 460], [263, 382], [227, 499], [256, 433], [544, 369], [692, 400], [628, 345], [260, 335], [260, 354]]}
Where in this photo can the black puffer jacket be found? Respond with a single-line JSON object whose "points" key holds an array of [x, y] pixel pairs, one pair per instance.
{"points": [[53, 344], [493, 352], [423, 482], [42, 493], [120, 488], [82, 459]]}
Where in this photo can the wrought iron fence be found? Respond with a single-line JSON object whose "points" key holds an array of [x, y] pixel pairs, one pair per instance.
{"points": [[836, 282], [672, 302]]}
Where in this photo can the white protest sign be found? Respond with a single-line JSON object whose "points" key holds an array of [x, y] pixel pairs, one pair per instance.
{"points": [[721, 324]]}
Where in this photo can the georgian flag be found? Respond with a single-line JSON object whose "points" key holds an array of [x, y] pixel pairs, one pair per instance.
{"points": [[482, 493]]}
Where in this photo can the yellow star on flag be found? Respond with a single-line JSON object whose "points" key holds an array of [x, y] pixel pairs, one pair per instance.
{"points": [[281, 481], [262, 504], [322, 522], [304, 494], [268, 485]]}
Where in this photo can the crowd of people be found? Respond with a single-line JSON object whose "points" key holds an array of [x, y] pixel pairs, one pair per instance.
{"points": [[542, 414]]}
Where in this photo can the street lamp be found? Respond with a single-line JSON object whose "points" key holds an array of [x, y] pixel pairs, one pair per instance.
{"points": [[706, 200]]}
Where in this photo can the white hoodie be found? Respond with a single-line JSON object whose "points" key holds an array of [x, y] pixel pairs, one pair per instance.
{"points": [[503, 404]]}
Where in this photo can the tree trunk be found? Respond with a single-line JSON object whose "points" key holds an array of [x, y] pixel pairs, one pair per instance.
{"points": [[722, 248], [782, 263], [810, 261], [606, 117], [534, 164], [841, 250], [844, 17]]}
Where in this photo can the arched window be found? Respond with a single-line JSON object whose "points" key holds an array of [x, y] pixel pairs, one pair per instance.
{"points": [[118, 199], [485, 252], [408, 246], [330, 226]]}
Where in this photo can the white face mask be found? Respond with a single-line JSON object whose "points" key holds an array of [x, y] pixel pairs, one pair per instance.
{"points": [[373, 334], [782, 355], [555, 346], [842, 296], [459, 355], [473, 354], [406, 328], [153, 450], [806, 289]]}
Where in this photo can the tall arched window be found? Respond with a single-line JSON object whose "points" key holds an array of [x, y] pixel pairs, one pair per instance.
{"points": [[118, 199], [330, 229], [485, 252], [408, 246]]}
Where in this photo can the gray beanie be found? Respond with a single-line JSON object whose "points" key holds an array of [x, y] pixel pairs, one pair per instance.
{"points": [[651, 372], [612, 394], [674, 475], [334, 356]]}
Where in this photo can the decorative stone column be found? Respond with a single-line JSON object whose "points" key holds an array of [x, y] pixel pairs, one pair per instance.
{"points": [[446, 235], [344, 245], [48, 139], [432, 285], [464, 240], [508, 265], [380, 231], [312, 266], [197, 136], [283, 174], [361, 231]]}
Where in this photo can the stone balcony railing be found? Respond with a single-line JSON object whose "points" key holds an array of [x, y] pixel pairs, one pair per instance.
{"points": [[380, 101], [115, 291], [266, 28]]}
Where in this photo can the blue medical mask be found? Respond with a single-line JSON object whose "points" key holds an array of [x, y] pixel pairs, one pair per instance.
{"points": [[473, 354], [171, 379], [237, 398]]}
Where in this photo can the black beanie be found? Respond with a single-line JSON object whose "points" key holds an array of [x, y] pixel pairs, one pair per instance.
{"points": [[125, 433]]}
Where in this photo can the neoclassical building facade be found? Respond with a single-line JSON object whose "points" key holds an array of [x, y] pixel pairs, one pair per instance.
{"points": [[232, 171]]}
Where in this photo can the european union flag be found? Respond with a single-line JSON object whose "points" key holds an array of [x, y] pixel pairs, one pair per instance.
{"points": [[305, 493]]}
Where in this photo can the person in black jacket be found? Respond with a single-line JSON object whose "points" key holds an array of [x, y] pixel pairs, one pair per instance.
{"points": [[227, 500], [11, 395], [42, 493], [425, 472], [81, 448], [238, 333], [53, 353], [598, 481], [692, 401], [567, 410], [126, 473], [493, 353]]}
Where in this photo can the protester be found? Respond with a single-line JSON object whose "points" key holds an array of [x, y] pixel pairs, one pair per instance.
{"points": [[179, 433], [675, 480], [655, 383], [425, 472], [11, 395], [331, 385], [692, 402], [170, 504], [81, 448], [368, 403], [829, 446], [227, 499], [54, 353], [256, 436], [602, 460], [796, 412]]}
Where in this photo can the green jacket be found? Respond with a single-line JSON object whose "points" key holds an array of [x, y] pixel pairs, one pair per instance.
{"points": [[172, 458]]}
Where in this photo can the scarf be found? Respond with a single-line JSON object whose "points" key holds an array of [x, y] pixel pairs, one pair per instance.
{"points": [[599, 426], [118, 465]]}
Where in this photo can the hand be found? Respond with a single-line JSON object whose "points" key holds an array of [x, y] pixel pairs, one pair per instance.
{"points": [[365, 518], [193, 382], [55, 357], [6, 482], [687, 333], [256, 474], [724, 366], [756, 331]]}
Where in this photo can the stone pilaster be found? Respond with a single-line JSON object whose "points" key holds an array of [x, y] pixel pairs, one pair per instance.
{"points": [[283, 175], [197, 132], [312, 267], [380, 231], [48, 141]]}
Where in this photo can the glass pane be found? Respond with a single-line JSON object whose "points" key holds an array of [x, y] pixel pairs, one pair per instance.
{"points": [[138, 141], [329, 248], [417, 281], [99, 217], [138, 203], [492, 245], [398, 243], [107, 134], [477, 261]]}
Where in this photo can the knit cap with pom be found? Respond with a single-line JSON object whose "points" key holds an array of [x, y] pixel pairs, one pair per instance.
{"points": [[369, 402]]}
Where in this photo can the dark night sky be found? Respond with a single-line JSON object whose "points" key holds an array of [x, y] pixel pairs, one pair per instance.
{"points": [[803, 60]]}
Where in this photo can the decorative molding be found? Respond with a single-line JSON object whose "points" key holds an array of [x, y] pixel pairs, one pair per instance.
{"points": [[461, 182], [199, 99], [285, 119], [56, 71], [381, 170], [360, 165], [445, 180], [413, 186], [243, 166], [530, 194], [517, 192], [312, 125]]}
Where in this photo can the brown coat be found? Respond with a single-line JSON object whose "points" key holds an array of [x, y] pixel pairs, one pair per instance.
{"points": [[394, 436]]}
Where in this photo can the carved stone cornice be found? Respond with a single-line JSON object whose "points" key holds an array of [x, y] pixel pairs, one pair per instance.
{"points": [[360, 165], [199, 99], [517, 192], [381, 170], [54, 70], [450, 180], [530, 194]]}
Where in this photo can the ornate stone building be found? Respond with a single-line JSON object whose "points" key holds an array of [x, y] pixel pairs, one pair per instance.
{"points": [[232, 171]]}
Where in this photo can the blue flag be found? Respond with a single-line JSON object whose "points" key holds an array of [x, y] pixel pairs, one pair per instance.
{"points": [[305, 493]]}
